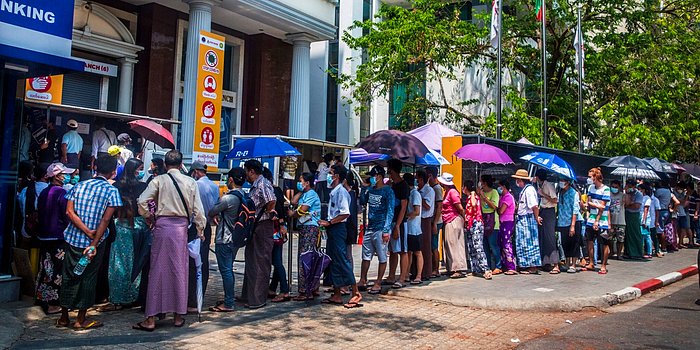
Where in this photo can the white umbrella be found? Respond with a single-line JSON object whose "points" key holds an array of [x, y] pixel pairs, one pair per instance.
{"points": [[193, 248]]}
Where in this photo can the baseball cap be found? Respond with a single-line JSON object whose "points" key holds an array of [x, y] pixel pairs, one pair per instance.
{"points": [[72, 123], [124, 137], [377, 170], [197, 165], [58, 168], [114, 151]]}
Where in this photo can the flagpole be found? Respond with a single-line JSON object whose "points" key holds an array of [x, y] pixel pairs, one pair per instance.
{"points": [[544, 74], [579, 53], [499, 126]]}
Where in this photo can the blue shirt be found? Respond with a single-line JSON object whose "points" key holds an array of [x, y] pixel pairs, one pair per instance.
{"points": [[208, 192], [310, 198], [73, 141], [636, 197], [90, 199], [380, 209], [567, 207]]}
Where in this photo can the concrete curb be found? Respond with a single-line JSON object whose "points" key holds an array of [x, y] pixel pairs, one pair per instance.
{"points": [[642, 288]]}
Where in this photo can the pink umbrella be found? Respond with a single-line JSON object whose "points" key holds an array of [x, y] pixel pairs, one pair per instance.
{"points": [[483, 154], [153, 132]]}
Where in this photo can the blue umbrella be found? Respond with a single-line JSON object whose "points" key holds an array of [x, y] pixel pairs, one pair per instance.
{"points": [[552, 163], [261, 147]]}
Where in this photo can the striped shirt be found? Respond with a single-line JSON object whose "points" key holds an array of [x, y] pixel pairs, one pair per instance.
{"points": [[90, 199], [599, 196]]}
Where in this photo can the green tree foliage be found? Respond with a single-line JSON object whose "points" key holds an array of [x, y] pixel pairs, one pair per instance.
{"points": [[642, 90]]}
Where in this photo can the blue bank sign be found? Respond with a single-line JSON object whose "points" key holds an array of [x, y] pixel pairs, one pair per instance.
{"points": [[38, 25]]}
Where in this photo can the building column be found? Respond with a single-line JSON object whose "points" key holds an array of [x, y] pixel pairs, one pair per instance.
{"points": [[199, 19], [300, 94], [126, 84]]}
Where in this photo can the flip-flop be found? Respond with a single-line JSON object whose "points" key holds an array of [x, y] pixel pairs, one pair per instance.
{"points": [[329, 301], [279, 299], [139, 326], [219, 309], [180, 325], [362, 288], [352, 305], [398, 285], [61, 325], [344, 292], [554, 272], [414, 282], [510, 273], [603, 272], [375, 291], [90, 325]]}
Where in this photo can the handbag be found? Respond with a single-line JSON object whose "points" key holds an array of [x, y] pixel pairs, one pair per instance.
{"points": [[191, 229]]}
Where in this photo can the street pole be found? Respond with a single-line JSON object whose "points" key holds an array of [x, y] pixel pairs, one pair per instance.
{"points": [[544, 74], [579, 53], [499, 125]]}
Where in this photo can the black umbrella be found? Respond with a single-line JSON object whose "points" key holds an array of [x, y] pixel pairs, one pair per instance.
{"points": [[397, 144], [628, 162], [692, 169], [661, 166]]}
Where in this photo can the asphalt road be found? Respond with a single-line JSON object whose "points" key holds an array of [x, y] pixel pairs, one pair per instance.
{"points": [[666, 319]]}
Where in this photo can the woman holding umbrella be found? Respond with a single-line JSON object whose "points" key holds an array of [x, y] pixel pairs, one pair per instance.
{"points": [[453, 219], [474, 231]]}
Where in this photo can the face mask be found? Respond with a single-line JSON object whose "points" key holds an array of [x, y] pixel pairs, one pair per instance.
{"points": [[589, 181], [300, 187], [66, 179], [562, 184], [500, 191], [329, 179], [150, 171], [373, 181], [140, 175], [614, 190], [75, 179]]}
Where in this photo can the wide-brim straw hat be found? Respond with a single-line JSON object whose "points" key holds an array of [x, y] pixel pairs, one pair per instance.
{"points": [[521, 174]]}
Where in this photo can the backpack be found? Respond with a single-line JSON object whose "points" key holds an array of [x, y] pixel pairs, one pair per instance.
{"points": [[242, 230]]}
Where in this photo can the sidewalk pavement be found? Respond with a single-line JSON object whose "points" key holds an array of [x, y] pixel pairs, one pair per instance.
{"points": [[626, 280]]}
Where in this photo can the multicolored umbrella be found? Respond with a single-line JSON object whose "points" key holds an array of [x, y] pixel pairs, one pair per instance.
{"points": [[394, 143], [636, 173]]}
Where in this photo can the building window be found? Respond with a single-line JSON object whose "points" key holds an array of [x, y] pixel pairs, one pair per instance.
{"points": [[332, 90], [401, 93]]}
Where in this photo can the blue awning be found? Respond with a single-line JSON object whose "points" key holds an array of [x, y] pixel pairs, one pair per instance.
{"points": [[39, 63]]}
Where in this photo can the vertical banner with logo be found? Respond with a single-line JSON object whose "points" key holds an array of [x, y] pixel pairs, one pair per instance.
{"points": [[207, 110], [46, 89]]}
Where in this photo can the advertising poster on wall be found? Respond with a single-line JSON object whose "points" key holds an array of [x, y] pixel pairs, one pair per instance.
{"points": [[208, 103], [45, 89]]}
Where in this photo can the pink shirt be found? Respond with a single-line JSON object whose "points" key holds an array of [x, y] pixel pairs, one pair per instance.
{"points": [[449, 206], [509, 201]]}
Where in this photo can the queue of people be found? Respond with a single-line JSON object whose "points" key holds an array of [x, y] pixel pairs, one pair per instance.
{"points": [[137, 231]]}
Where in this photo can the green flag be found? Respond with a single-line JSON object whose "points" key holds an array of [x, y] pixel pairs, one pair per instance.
{"points": [[538, 9]]}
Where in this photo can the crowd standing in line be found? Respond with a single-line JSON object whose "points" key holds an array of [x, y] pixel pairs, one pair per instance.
{"points": [[137, 230]]}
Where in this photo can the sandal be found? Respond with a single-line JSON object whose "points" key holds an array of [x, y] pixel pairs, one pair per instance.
{"points": [[510, 273], [281, 299], [375, 291], [179, 325], [218, 308], [603, 272], [139, 326], [89, 325], [571, 270], [302, 297], [414, 282], [555, 272], [110, 307], [398, 285], [352, 305], [456, 275], [60, 324]]}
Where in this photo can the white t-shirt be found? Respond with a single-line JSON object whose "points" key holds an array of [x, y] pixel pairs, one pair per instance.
{"points": [[428, 195], [527, 200], [414, 199]]}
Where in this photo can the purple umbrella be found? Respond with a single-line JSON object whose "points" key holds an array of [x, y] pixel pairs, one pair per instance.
{"points": [[312, 265], [483, 154]]}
